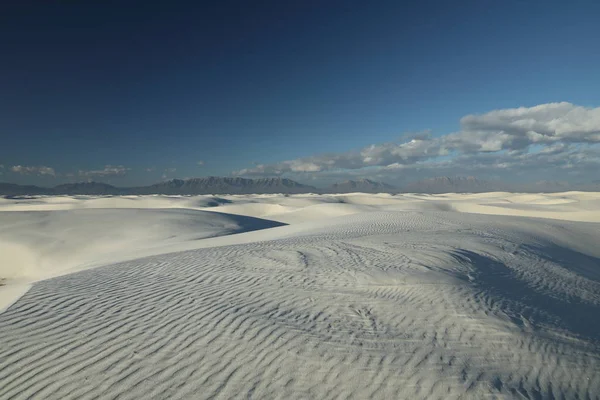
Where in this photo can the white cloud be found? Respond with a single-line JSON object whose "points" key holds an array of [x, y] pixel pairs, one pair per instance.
{"points": [[506, 133], [109, 170], [200, 163], [542, 123], [33, 170]]}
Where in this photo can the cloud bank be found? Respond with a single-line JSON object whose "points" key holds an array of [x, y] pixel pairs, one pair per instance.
{"points": [[33, 170], [108, 171], [560, 135]]}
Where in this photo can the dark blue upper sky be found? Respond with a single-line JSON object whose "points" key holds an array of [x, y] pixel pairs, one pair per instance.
{"points": [[130, 92]]}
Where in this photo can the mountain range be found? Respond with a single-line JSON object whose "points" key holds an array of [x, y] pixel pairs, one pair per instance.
{"points": [[233, 185], [225, 185], [208, 185], [361, 185]]}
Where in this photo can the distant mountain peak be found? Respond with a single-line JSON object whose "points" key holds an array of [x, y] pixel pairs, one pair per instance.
{"points": [[91, 188], [272, 185], [192, 186], [228, 185]]}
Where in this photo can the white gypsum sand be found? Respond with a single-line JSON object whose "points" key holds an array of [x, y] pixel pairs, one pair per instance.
{"points": [[304, 296]]}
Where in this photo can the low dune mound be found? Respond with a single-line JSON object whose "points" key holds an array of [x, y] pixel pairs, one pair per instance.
{"points": [[40, 244]]}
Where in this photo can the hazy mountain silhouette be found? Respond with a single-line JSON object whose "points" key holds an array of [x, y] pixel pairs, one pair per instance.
{"points": [[225, 185], [89, 188], [208, 185], [12, 189], [233, 185]]}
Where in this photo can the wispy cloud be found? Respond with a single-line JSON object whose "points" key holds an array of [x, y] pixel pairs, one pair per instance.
{"points": [[33, 170], [502, 138], [200, 163], [107, 171], [168, 172]]}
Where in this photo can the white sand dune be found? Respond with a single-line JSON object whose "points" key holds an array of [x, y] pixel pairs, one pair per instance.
{"points": [[36, 245], [357, 296]]}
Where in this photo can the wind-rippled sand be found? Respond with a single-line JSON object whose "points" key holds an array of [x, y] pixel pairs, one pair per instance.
{"points": [[328, 297]]}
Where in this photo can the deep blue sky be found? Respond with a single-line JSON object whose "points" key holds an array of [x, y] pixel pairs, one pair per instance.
{"points": [[163, 85]]}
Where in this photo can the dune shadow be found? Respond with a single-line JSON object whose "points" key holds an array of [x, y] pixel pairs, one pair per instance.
{"points": [[19, 197], [249, 224], [217, 201], [579, 263], [521, 301]]}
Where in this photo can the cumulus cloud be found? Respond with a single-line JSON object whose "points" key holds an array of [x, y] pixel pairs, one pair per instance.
{"points": [[545, 123], [504, 135], [555, 159], [33, 170], [107, 171]]}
